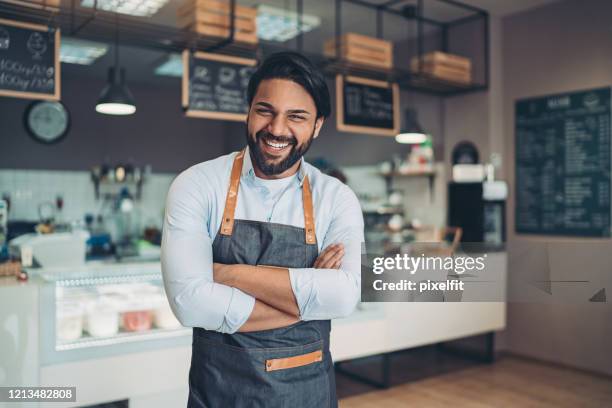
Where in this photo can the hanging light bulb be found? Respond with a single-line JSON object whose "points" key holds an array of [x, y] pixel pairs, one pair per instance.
{"points": [[413, 132], [116, 98]]}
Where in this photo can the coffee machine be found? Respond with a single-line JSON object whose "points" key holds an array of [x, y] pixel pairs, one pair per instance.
{"points": [[479, 208]]}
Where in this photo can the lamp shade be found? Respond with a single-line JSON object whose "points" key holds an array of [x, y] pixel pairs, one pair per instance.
{"points": [[116, 98], [412, 132]]}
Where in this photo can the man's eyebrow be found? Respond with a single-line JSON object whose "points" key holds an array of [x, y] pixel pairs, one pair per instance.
{"points": [[291, 111], [298, 111], [265, 105]]}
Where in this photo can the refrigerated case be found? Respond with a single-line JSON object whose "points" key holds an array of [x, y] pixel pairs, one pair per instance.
{"points": [[106, 310], [104, 328]]}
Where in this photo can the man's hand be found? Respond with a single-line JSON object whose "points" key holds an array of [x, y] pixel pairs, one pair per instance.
{"points": [[330, 257]]}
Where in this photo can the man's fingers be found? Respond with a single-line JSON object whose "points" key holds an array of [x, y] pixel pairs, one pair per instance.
{"points": [[331, 258], [322, 255], [336, 260], [326, 256]]}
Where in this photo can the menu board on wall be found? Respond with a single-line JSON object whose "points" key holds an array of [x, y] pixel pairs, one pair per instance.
{"points": [[563, 164], [367, 106], [29, 60], [215, 85]]}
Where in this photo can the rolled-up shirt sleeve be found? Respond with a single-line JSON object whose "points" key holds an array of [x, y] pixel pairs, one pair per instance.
{"points": [[331, 293], [187, 262]]}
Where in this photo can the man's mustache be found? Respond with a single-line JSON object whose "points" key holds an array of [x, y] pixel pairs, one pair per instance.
{"points": [[273, 138]]}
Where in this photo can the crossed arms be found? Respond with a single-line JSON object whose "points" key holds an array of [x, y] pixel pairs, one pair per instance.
{"points": [[275, 303], [230, 298]]}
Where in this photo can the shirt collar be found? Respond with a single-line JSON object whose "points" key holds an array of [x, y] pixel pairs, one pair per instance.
{"points": [[248, 171]]}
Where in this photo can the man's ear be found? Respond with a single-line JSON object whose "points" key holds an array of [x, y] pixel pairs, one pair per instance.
{"points": [[318, 126]]}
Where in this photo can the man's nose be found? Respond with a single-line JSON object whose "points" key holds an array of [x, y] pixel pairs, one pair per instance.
{"points": [[278, 126]]}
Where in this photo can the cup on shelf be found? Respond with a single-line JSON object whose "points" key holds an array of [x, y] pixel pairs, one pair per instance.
{"points": [[103, 318], [69, 321]]}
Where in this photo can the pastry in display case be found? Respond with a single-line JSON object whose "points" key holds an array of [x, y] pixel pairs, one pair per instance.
{"points": [[94, 309]]}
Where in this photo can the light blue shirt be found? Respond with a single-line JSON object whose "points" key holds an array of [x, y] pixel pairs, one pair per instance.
{"points": [[194, 210]]}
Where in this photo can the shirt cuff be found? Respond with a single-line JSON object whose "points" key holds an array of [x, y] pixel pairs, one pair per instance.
{"points": [[238, 312], [302, 284]]}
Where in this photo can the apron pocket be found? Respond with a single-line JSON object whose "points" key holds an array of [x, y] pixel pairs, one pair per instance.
{"points": [[297, 375], [224, 375], [295, 361]]}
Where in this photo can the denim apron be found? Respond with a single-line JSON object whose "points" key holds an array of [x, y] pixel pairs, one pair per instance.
{"points": [[286, 367]]}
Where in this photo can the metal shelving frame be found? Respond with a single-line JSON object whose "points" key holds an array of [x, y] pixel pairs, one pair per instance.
{"points": [[405, 78], [96, 24]]}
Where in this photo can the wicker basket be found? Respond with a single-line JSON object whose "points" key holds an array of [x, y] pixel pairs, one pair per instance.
{"points": [[10, 268]]}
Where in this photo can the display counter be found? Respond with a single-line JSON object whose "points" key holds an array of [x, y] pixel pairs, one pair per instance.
{"points": [[107, 330]]}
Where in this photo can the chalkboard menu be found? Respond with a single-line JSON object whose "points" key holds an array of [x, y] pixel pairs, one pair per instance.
{"points": [[563, 164], [367, 106], [29, 60], [215, 85]]}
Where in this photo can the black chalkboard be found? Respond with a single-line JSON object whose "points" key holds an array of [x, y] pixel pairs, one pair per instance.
{"points": [[29, 61], [563, 164], [367, 106], [214, 85]]}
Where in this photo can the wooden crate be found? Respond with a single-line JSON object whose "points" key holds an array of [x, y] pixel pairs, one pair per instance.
{"points": [[447, 67], [211, 18], [361, 50], [443, 72], [50, 5], [452, 60]]}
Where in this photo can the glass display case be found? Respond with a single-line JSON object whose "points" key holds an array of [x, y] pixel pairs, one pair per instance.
{"points": [[105, 309]]}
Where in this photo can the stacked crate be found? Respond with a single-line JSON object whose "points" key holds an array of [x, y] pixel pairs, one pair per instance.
{"points": [[361, 50], [444, 66], [211, 18], [49, 5]]}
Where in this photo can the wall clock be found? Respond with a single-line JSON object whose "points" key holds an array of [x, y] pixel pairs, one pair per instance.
{"points": [[47, 121]]}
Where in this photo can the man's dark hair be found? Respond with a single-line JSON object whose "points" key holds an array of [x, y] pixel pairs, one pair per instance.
{"points": [[297, 68]]}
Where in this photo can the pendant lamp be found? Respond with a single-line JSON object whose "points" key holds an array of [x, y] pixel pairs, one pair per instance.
{"points": [[116, 98], [412, 132]]}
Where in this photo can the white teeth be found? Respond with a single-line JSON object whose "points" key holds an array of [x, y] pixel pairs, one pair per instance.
{"points": [[277, 145]]}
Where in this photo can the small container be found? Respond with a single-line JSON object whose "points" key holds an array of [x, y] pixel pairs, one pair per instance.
{"points": [[137, 320], [139, 306], [69, 321], [103, 318]]}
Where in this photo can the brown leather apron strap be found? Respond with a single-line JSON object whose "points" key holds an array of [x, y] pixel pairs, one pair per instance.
{"points": [[309, 221], [227, 225], [295, 361]]}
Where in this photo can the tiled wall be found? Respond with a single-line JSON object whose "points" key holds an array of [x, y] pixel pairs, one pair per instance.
{"points": [[29, 188]]}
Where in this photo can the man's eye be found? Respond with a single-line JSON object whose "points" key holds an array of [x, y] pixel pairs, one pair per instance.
{"points": [[296, 117], [264, 112]]}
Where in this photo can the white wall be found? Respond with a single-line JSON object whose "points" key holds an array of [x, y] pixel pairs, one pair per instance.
{"points": [[565, 46]]}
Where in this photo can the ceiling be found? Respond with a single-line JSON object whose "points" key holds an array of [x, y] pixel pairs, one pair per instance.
{"points": [[140, 62]]}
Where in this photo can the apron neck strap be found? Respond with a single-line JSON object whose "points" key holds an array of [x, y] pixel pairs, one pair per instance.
{"points": [[227, 224], [309, 222]]}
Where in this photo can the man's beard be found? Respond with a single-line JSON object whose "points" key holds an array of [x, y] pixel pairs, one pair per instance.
{"points": [[259, 157]]}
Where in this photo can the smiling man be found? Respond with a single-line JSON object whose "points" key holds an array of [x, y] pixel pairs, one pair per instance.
{"points": [[260, 250]]}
